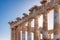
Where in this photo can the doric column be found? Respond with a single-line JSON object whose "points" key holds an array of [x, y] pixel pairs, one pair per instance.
{"points": [[29, 30], [56, 23], [12, 33], [23, 32], [18, 34], [23, 35], [36, 29], [45, 27]]}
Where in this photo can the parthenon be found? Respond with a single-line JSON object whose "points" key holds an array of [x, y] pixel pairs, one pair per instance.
{"points": [[34, 13]]}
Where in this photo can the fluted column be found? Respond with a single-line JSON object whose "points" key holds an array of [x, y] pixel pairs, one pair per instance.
{"points": [[18, 34], [56, 23], [23, 35], [29, 30], [36, 29], [45, 27], [12, 33], [23, 32]]}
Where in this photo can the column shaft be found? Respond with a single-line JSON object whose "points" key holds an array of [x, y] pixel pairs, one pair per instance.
{"points": [[45, 22], [23, 32], [56, 23], [45, 27], [12, 34], [36, 30], [29, 36], [29, 30], [23, 35], [17, 34]]}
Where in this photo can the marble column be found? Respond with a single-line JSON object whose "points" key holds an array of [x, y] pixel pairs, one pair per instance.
{"points": [[56, 23], [23, 35], [18, 34], [12, 33], [23, 32], [36, 29], [45, 26], [29, 30]]}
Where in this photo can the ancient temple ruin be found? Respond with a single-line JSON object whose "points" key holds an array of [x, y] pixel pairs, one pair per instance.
{"points": [[35, 12]]}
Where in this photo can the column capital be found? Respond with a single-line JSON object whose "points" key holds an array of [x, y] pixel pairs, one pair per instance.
{"points": [[36, 17], [12, 28], [29, 20], [13, 31]]}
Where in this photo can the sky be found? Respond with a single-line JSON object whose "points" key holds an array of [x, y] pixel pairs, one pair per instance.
{"points": [[11, 9]]}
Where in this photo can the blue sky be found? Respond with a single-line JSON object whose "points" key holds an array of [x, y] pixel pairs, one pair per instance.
{"points": [[10, 10]]}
